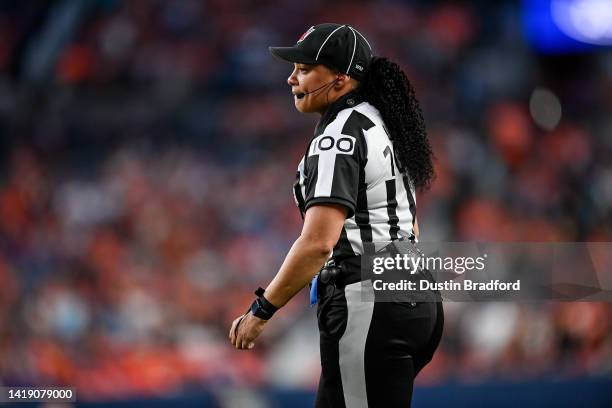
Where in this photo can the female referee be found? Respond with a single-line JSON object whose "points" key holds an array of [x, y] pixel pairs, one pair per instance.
{"points": [[355, 184]]}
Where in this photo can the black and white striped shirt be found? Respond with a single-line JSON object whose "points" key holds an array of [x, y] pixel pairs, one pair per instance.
{"points": [[350, 161]]}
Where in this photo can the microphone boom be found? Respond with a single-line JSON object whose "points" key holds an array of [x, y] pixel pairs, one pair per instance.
{"points": [[301, 95]]}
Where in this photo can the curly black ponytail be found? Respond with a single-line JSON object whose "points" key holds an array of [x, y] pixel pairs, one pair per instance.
{"points": [[388, 89]]}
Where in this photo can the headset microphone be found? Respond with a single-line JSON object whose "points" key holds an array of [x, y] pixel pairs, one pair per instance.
{"points": [[301, 95]]}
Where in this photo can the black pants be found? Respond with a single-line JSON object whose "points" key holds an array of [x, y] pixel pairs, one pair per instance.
{"points": [[372, 351]]}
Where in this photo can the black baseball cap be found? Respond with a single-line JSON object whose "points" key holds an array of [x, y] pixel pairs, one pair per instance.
{"points": [[337, 46]]}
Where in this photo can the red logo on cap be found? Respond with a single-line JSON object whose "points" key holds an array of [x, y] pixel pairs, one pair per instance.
{"points": [[306, 34]]}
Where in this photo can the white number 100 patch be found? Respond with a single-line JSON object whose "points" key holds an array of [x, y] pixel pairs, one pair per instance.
{"points": [[328, 145]]}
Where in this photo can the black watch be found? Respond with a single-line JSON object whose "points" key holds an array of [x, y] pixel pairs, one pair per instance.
{"points": [[261, 307]]}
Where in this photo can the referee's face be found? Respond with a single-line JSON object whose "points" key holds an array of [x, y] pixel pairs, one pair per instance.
{"points": [[317, 79]]}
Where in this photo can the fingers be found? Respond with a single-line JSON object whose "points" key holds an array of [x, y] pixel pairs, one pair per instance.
{"points": [[245, 339], [244, 330], [246, 345], [237, 334], [243, 335], [233, 333]]}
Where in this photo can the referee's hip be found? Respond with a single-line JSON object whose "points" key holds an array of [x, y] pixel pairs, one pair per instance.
{"points": [[371, 351]]}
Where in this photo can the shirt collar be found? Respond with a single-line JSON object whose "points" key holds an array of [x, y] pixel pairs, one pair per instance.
{"points": [[347, 100]]}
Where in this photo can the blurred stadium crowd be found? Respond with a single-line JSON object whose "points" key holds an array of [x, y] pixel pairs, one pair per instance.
{"points": [[147, 157]]}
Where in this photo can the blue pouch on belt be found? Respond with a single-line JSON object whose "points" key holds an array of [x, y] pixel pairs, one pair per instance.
{"points": [[313, 290]]}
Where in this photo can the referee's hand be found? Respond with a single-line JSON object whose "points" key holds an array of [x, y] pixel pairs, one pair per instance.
{"points": [[244, 330]]}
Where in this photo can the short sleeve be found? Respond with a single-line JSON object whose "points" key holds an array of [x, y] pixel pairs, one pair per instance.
{"points": [[332, 167]]}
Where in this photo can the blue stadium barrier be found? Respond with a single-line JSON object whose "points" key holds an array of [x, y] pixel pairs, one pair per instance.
{"points": [[584, 392]]}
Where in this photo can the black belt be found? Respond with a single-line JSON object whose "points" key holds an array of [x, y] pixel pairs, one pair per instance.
{"points": [[341, 273], [350, 267]]}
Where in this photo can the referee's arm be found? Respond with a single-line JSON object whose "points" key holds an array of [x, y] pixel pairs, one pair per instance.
{"points": [[322, 227]]}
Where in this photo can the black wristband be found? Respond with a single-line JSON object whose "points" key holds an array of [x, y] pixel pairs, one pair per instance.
{"points": [[261, 307]]}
